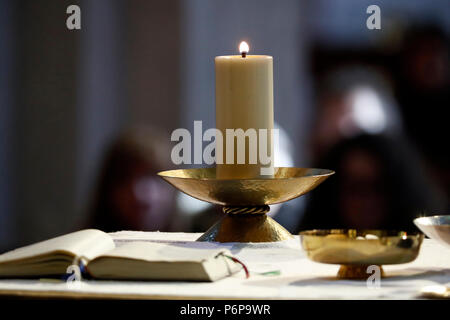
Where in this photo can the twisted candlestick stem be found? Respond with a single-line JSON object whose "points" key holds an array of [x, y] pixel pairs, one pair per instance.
{"points": [[257, 210]]}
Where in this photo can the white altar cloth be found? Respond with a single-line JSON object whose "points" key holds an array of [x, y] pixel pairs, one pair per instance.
{"points": [[298, 278]]}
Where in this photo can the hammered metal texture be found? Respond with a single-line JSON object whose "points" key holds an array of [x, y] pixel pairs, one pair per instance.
{"points": [[286, 184]]}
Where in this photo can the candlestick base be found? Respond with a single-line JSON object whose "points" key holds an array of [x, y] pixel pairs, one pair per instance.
{"points": [[246, 224]]}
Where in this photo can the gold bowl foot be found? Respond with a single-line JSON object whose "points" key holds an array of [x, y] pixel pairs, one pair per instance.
{"points": [[356, 272]]}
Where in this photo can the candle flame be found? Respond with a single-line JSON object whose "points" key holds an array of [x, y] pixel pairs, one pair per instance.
{"points": [[243, 47]]}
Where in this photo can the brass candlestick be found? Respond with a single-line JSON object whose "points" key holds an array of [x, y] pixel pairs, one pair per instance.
{"points": [[246, 201]]}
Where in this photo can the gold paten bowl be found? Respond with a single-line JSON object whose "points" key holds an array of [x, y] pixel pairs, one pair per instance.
{"points": [[355, 250], [435, 227], [286, 184]]}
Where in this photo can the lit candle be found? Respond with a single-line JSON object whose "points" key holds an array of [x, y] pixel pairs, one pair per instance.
{"points": [[244, 100]]}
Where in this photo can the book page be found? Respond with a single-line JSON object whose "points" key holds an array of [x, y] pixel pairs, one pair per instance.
{"points": [[166, 252], [88, 243]]}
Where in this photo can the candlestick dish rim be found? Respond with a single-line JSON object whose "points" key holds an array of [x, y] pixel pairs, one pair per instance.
{"points": [[326, 173]]}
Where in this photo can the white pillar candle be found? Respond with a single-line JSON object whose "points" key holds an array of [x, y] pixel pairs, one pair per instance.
{"points": [[244, 100]]}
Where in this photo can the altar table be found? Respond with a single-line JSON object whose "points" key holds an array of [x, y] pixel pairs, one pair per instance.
{"points": [[296, 277]]}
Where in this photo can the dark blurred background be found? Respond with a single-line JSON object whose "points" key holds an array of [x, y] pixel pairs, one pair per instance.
{"points": [[370, 104]]}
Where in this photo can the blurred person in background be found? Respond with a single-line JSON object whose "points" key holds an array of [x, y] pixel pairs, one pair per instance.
{"points": [[422, 89], [379, 184], [130, 195], [380, 180], [353, 100]]}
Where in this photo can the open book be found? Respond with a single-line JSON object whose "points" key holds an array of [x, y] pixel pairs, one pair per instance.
{"points": [[103, 260]]}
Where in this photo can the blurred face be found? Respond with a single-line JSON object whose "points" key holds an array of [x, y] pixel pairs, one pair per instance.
{"points": [[428, 65], [143, 200], [363, 202], [327, 131]]}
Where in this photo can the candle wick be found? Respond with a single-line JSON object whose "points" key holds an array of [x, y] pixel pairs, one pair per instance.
{"points": [[244, 54]]}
